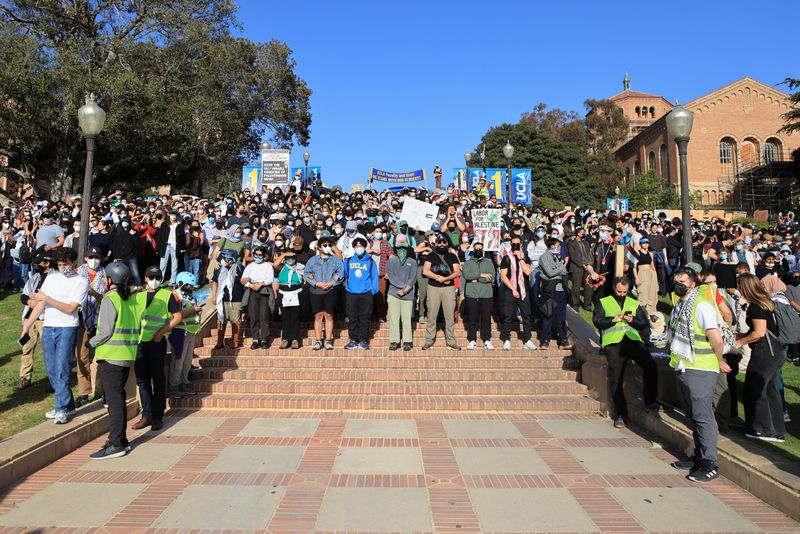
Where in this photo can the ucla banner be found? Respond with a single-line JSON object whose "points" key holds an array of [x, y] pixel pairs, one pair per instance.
{"points": [[396, 177], [251, 178], [314, 173], [460, 180], [521, 184]]}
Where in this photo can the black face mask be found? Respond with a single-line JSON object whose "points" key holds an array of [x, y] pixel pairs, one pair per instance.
{"points": [[477, 254], [517, 227], [515, 246], [681, 289], [441, 249]]}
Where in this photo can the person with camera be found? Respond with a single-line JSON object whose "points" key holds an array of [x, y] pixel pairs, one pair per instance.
{"points": [[41, 269], [441, 267]]}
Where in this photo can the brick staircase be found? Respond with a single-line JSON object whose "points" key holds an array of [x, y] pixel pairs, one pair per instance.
{"points": [[379, 380]]}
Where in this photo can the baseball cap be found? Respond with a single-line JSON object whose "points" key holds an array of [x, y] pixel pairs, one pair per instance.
{"points": [[94, 252]]}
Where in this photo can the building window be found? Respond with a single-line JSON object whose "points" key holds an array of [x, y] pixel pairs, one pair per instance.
{"points": [[638, 111], [652, 112], [773, 150], [664, 162], [651, 161], [727, 157], [627, 175], [749, 153], [637, 168]]}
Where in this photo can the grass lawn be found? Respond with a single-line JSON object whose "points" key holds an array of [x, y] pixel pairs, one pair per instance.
{"points": [[24, 409], [791, 380]]}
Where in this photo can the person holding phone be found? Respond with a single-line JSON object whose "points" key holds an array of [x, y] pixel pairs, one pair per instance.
{"points": [[621, 320], [41, 269]]}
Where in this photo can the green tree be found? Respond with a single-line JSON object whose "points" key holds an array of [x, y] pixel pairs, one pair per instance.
{"points": [[648, 192], [792, 117], [185, 99], [605, 124]]}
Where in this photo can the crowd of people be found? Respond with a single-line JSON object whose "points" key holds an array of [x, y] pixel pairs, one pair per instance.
{"points": [[287, 256]]}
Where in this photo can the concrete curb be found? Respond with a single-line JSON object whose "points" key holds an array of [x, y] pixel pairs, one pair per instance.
{"points": [[32, 449], [769, 476]]}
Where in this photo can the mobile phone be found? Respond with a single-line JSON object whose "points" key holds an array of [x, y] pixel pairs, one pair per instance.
{"points": [[24, 340]]}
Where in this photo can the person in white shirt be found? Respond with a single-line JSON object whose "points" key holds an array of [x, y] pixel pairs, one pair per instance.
{"points": [[259, 276], [60, 298]]}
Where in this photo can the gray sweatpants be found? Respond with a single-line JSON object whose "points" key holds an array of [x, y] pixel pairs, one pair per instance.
{"points": [[696, 392]]}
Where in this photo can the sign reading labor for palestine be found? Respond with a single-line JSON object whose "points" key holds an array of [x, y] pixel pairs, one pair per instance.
{"points": [[486, 224], [275, 168], [396, 177]]}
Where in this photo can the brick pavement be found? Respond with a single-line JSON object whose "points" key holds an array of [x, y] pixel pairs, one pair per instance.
{"points": [[222, 471]]}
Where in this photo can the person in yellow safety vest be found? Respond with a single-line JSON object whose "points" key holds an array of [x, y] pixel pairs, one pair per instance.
{"points": [[161, 313], [696, 350], [620, 320], [481, 190], [182, 339], [115, 345]]}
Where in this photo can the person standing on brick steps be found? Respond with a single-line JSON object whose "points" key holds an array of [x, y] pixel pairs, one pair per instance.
{"points": [[621, 320], [161, 313], [401, 272], [41, 269], [95, 274], [115, 345], [441, 268], [226, 293], [696, 350], [323, 273], [515, 272], [258, 276], [361, 284], [182, 336], [479, 275]]}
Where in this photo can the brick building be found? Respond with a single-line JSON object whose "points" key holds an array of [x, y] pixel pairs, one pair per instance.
{"points": [[737, 156]]}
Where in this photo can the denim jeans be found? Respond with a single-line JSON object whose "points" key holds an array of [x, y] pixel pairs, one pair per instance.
{"points": [[58, 346], [20, 272], [169, 258], [133, 265], [194, 267]]}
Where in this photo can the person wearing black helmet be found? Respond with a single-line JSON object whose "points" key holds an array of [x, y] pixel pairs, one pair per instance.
{"points": [[115, 345]]}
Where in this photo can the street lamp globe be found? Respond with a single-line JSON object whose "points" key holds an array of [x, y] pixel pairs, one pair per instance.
{"points": [[679, 122], [91, 117], [306, 157], [265, 145], [467, 157], [508, 150]]}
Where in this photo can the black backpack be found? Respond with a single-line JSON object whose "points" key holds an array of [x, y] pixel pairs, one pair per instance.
{"points": [[788, 322]]}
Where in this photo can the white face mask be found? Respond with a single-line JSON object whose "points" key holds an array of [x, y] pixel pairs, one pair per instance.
{"points": [[326, 250], [153, 284], [379, 235], [66, 271], [76, 229], [93, 263], [125, 224], [465, 239], [360, 251]]}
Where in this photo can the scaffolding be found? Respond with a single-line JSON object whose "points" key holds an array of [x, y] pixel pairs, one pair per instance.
{"points": [[768, 186]]}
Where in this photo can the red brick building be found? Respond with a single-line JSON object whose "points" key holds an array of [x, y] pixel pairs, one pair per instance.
{"points": [[737, 156]]}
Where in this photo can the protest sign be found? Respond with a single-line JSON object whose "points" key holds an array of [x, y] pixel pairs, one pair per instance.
{"points": [[486, 223], [419, 214]]}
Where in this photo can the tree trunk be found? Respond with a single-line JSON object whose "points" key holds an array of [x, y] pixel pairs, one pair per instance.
{"points": [[60, 184]]}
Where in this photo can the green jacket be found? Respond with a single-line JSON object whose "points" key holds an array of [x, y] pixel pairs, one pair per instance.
{"points": [[478, 287]]}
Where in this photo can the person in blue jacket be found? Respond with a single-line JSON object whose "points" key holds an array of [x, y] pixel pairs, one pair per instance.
{"points": [[361, 283]]}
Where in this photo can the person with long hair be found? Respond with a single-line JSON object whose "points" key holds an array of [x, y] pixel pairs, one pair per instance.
{"points": [[763, 408]]}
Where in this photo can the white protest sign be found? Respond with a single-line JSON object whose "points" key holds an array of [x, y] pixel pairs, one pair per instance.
{"points": [[419, 214], [487, 228]]}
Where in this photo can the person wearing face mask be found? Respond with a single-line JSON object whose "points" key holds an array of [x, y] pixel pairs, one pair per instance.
{"points": [[742, 254], [441, 267], [231, 240], [515, 274], [93, 271], [361, 284], [479, 274], [182, 337], [227, 292], [696, 354], [41, 269], [603, 260], [323, 273], [49, 235], [580, 259], [258, 277], [422, 250], [59, 298], [171, 245], [402, 229], [401, 273], [621, 320], [770, 266], [115, 346], [290, 290], [553, 296], [124, 246], [194, 249], [345, 243], [72, 239]]}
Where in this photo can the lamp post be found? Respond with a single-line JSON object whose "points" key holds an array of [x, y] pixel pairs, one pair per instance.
{"points": [[508, 152], [91, 119], [467, 159], [679, 125], [306, 157]]}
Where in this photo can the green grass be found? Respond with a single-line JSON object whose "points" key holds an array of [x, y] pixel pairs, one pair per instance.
{"points": [[26, 408], [791, 379]]}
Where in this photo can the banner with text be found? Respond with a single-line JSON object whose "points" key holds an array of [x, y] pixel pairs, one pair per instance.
{"points": [[314, 173], [521, 184], [486, 224], [396, 177], [460, 179], [275, 168], [251, 178]]}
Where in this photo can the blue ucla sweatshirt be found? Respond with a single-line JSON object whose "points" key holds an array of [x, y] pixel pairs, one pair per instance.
{"points": [[361, 275]]}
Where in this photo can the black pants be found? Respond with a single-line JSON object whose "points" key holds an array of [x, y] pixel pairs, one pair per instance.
{"points": [[479, 313], [509, 302], [259, 313], [151, 380], [579, 281], [763, 407], [618, 355], [114, 378], [359, 312], [291, 323]]}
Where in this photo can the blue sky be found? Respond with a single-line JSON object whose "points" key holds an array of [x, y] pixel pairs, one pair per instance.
{"points": [[407, 85]]}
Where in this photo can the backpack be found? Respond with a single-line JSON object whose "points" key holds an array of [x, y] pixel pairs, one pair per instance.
{"points": [[26, 254], [788, 323]]}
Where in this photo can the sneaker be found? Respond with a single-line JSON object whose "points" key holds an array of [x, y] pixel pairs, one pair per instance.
{"points": [[427, 346], [285, 344], [82, 400], [52, 413], [704, 473], [530, 345], [471, 345], [764, 437], [177, 394], [786, 418], [421, 319], [295, 344], [317, 345], [506, 345], [364, 345], [685, 465], [265, 344], [488, 345], [328, 344], [60, 417], [186, 389], [109, 451], [351, 345], [24, 383], [453, 347], [407, 347], [658, 407], [545, 344], [394, 346], [255, 345], [619, 422]]}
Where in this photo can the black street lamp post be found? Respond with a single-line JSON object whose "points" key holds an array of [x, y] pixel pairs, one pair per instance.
{"points": [[91, 119]]}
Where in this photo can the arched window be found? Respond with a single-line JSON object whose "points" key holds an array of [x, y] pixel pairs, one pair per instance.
{"points": [[727, 157], [729, 198], [713, 199], [749, 153], [627, 175], [773, 150], [651, 161], [705, 198], [637, 168], [638, 111], [664, 162], [652, 111]]}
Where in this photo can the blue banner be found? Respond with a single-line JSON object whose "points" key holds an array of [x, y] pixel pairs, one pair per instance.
{"points": [[251, 178], [314, 173], [396, 177], [619, 205], [521, 184]]}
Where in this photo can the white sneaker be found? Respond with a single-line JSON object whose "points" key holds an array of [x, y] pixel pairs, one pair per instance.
{"points": [[507, 345], [60, 417], [471, 345], [52, 413], [488, 345], [530, 345]]}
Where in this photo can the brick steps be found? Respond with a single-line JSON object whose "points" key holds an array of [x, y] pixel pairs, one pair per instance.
{"points": [[388, 375], [428, 387], [389, 403], [439, 349], [443, 360]]}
